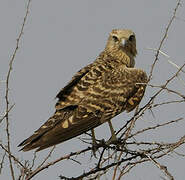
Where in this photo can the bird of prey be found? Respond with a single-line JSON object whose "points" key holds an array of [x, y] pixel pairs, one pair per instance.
{"points": [[96, 94]]}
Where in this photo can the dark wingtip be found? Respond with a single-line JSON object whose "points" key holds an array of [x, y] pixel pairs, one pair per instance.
{"points": [[27, 147], [22, 143], [22, 149], [29, 143]]}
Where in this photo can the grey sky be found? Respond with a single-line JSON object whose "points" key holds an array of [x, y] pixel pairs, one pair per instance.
{"points": [[60, 37]]}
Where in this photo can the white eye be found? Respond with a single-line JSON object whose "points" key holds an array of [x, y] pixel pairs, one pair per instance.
{"points": [[115, 38]]}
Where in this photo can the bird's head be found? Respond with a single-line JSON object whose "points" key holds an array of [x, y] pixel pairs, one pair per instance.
{"points": [[122, 40]]}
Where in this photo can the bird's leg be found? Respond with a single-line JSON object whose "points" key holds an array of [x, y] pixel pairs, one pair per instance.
{"points": [[113, 137], [93, 138], [94, 143]]}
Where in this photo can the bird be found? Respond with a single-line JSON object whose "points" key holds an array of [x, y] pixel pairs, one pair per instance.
{"points": [[97, 93]]}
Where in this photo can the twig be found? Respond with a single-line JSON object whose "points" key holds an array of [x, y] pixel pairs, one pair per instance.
{"points": [[161, 167], [13, 157], [127, 171], [93, 171], [167, 102], [7, 113], [163, 39], [2, 161], [47, 157], [7, 89], [171, 62], [126, 133], [116, 168], [156, 126], [101, 155], [33, 160], [169, 90], [37, 170]]}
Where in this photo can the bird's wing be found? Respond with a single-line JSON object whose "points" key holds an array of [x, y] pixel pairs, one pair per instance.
{"points": [[63, 125], [78, 88], [69, 98], [64, 92], [139, 80], [116, 91]]}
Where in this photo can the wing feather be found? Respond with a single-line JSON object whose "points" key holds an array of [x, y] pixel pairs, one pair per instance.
{"points": [[74, 81], [64, 125], [116, 91]]}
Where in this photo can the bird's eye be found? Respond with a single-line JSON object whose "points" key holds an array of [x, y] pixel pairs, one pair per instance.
{"points": [[131, 38], [115, 38]]}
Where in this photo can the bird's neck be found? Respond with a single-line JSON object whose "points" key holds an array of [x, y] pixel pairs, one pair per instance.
{"points": [[121, 57]]}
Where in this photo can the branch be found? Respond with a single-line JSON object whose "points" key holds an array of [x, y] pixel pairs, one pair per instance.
{"points": [[14, 158], [7, 89], [156, 126], [161, 167], [37, 170], [93, 171], [163, 39]]}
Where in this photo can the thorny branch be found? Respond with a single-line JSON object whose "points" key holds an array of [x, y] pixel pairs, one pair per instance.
{"points": [[1, 119], [8, 108], [164, 37], [136, 158], [13, 157], [37, 170], [161, 167], [156, 126]]}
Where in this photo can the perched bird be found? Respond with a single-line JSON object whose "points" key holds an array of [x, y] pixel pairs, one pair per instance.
{"points": [[96, 94]]}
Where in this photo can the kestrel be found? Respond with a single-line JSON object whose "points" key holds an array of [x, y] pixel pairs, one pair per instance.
{"points": [[96, 94]]}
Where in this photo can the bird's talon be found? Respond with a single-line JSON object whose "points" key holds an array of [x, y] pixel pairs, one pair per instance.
{"points": [[94, 149], [112, 140]]}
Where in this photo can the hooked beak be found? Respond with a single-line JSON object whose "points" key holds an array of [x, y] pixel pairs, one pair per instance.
{"points": [[123, 42]]}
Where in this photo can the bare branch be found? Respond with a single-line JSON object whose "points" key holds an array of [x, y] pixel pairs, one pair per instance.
{"points": [[161, 167], [164, 37], [13, 157], [156, 126], [7, 89]]}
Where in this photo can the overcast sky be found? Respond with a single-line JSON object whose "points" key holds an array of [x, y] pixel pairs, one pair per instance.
{"points": [[60, 37]]}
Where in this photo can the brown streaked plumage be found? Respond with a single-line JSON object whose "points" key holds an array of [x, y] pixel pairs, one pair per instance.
{"points": [[96, 94]]}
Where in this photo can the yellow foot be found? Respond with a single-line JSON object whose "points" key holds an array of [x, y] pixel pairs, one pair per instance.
{"points": [[94, 149], [112, 140], [94, 143], [113, 137]]}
